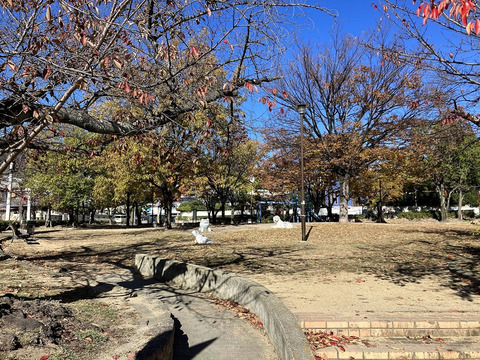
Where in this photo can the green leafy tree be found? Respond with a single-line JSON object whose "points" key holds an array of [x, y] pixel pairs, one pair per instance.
{"points": [[447, 157], [121, 183], [463, 174], [384, 181], [63, 181], [226, 160]]}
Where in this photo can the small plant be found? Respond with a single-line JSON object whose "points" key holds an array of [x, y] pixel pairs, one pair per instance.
{"points": [[63, 354], [90, 335]]}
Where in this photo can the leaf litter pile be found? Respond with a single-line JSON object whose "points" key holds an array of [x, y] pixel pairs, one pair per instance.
{"points": [[321, 340], [239, 311]]}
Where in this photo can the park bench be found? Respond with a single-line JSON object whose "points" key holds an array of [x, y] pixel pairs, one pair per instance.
{"points": [[18, 233]]}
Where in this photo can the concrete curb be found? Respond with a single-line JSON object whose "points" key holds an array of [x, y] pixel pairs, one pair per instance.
{"points": [[281, 325]]}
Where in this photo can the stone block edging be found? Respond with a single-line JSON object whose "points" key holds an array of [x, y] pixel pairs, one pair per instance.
{"points": [[280, 324]]}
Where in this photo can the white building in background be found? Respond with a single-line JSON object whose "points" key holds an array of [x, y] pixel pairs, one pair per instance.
{"points": [[14, 200]]}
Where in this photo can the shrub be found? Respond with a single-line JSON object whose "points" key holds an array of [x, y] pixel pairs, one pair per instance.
{"points": [[469, 214], [414, 215], [192, 205], [267, 218], [4, 225]]}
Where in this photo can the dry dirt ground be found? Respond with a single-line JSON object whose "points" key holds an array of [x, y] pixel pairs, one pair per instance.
{"points": [[349, 268]]}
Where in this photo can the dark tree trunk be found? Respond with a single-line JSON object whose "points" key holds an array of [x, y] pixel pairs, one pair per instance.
{"points": [[128, 210], [138, 215], [381, 215], [168, 215], [92, 216]]}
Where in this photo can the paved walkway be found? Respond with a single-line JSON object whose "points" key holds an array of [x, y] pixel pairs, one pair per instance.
{"points": [[400, 320], [204, 330]]}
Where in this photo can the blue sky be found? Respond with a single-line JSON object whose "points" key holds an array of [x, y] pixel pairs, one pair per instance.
{"points": [[355, 16]]}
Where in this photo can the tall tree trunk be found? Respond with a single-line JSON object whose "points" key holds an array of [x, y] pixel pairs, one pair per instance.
{"points": [[443, 205], [232, 213], [138, 215], [222, 208], [329, 205], [460, 204], [71, 215], [344, 197], [21, 213], [48, 219], [223, 202], [92, 216], [84, 210], [381, 215], [168, 214], [134, 213], [128, 210]]}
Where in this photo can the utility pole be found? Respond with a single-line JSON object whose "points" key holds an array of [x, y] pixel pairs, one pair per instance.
{"points": [[301, 109]]}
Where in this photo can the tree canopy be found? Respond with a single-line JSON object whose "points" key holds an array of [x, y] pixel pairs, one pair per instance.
{"points": [[58, 59]]}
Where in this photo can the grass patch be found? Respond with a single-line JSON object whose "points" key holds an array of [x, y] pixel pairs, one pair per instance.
{"points": [[86, 310]]}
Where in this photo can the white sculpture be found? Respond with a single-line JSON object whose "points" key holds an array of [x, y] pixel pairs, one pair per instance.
{"points": [[279, 224], [200, 238], [205, 225]]}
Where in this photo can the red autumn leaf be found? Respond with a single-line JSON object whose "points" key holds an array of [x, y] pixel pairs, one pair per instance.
{"points": [[435, 14], [116, 356], [419, 9], [44, 357], [477, 26], [469, 27], [194, 51]]}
